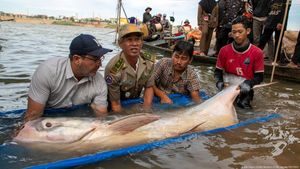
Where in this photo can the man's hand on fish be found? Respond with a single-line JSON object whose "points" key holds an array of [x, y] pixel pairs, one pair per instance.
{"points": [[220, 85], [166, 100], [245, 87]]}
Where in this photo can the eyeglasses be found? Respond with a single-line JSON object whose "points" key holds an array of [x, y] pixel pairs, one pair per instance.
{"points": [[96, 60]]}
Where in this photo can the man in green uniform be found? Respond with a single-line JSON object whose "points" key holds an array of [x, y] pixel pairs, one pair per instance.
{"points": [[129, 72]]}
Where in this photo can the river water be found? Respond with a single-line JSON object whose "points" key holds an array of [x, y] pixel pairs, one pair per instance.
{"points": [[273, 144]]}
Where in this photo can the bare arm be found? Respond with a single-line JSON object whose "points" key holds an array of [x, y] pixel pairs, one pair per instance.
{"points": [[116, 106], [99, 110], [148, 96], [195, 96], [34, 110], [162, 95]]}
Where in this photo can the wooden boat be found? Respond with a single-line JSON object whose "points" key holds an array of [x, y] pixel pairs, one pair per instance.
{"points": [[281, 72]]}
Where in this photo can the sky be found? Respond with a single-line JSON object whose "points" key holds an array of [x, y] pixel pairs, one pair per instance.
{"points": [[180, 9]]}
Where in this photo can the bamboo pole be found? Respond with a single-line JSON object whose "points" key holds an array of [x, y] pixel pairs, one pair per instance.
{"points": [[280, 37], [124, 12], [118, 20]]}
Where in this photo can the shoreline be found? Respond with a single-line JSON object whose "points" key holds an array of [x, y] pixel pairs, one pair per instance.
{"points": [[56, 22]]}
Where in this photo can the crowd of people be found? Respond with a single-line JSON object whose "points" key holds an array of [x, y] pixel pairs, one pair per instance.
{"points": [[265, 18], [64, 82], [158, 18]]}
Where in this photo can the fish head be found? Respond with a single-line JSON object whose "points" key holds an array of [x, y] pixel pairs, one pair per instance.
{"points": [[55, 130]]}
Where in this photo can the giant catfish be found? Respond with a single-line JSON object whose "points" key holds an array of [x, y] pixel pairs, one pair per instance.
{"points": [[88, 135]]}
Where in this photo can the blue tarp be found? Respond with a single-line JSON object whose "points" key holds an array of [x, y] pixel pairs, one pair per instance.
{"points": [[179, 100]]}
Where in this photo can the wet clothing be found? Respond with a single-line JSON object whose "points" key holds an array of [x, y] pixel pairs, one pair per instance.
{"points": [[243, 64], [163, 76], [54, 85], [123, 81], [246, 61]]}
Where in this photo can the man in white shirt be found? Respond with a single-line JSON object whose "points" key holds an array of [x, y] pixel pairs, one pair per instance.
{"points": [[63, 82]]}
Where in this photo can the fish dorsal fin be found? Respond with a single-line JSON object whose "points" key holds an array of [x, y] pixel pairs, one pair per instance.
{"points": [[132, 122]]}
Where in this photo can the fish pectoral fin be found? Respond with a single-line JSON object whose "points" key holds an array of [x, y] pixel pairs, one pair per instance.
{"points": [[193, 129], [132, 122]]}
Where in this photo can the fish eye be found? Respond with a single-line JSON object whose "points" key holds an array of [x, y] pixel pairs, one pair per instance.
{"points": [[48, 124]]}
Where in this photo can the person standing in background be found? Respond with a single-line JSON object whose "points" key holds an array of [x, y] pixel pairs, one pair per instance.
{"points": [[207, 22], [228, 11], [186, 27], [165, 22], [274, 24], [261, 9], [158, 17], [147, 16]]}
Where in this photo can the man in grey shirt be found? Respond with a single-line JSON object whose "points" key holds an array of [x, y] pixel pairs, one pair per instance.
{"points": [[63, 82]]}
